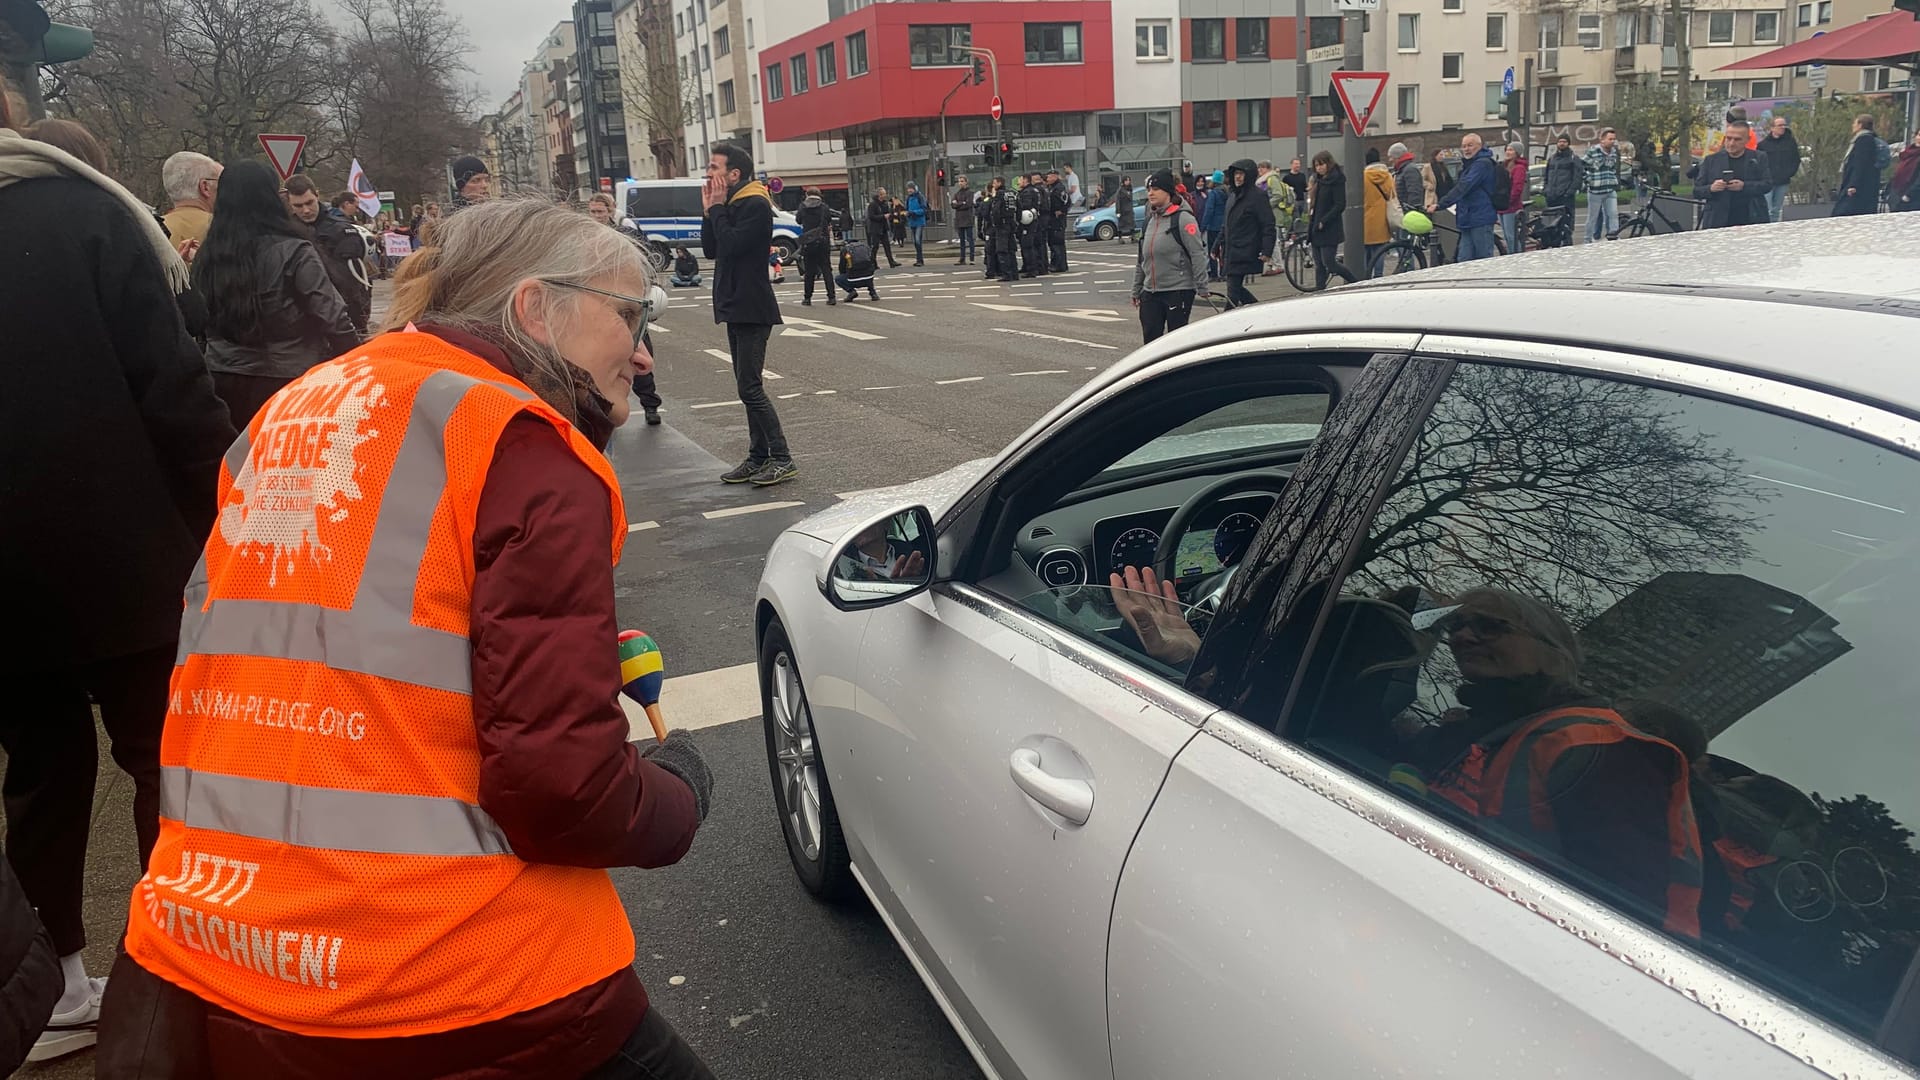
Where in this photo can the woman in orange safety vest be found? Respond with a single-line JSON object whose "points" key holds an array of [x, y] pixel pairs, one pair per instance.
{"points": [[395, 767]]}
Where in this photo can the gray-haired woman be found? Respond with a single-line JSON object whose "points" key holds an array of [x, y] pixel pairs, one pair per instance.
{"points": [[464, 736]]}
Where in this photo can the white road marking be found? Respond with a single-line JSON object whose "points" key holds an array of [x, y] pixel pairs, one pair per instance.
{"points": [[872, 306], [1049, 337], [880, 388], [1071, 292], [702, 700], [821, 393], [750, 508], [662, 329], [1088, 314], [795, 394], [642, 526], [1050, 371], [829, 328], [721, 354], [950, 382], [714, 405]]}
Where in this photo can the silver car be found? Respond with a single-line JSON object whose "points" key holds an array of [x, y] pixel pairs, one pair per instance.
{"points": [[1504, 673]]}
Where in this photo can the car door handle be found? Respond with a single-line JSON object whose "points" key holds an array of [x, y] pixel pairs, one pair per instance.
{"points": [[1071, 799]]}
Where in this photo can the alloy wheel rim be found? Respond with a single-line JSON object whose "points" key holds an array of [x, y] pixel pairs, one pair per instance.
{"points": [[796, 756]]}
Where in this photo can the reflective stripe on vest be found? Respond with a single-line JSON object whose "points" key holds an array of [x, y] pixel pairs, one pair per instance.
{"points": [[324, 865], [1508, 784]]}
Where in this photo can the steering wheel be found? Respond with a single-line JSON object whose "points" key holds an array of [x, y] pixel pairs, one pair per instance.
{"points": [[1265, 481]]}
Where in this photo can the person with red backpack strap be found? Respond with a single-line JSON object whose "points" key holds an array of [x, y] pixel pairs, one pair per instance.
{"points": [[1171, 268]]}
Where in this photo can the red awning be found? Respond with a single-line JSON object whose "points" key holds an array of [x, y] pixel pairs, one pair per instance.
{"points": [[1892, 38]]}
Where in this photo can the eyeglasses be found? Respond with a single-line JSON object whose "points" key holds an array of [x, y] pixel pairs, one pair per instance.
{"points": [[1484, 627], [638, 326]]}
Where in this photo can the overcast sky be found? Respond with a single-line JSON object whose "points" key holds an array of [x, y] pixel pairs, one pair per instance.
{"points": [[504, 34]]}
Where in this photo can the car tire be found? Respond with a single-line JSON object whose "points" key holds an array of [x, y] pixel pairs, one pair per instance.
{"points": [[1106, 230], [815, 844]]}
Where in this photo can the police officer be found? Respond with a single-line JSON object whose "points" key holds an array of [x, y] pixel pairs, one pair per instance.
{"points": [[1006, 232], [816, 220], [1034, 203], [1059, 199]]}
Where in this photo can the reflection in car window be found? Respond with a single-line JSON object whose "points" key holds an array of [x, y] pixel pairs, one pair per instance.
{"points": [[1255, 424], [1660, 646]]}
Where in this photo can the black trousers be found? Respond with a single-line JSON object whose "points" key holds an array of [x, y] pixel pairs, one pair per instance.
{"points": [[47, 730], [1001, 260], [1238, 295], [881, 240], [1326, 260], [748, 344], [815, 262], [1033, 252], [647, 391], [1057, 246], [1164, 311], [245, 394]]}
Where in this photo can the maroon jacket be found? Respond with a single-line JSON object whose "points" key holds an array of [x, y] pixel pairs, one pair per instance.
{"points": [[556, 770]]}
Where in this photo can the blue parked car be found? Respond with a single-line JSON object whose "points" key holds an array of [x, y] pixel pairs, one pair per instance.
{"points": [[1104, 223]]}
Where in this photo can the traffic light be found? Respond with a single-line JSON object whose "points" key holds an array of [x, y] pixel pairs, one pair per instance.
{"points": [[1515, 108], [979, 71], [940, 173], [1006, 149]]}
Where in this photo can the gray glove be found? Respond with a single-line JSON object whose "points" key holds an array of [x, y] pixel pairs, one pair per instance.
{"points": [[680, 755]]}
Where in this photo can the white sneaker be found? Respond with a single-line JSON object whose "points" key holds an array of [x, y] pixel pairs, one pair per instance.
{"points": [[71, 1031]]}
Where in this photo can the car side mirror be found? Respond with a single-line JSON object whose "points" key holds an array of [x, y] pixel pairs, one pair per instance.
{"points": [[887, 559]]}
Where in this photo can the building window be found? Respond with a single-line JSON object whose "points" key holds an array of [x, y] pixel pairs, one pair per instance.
{"points": [[1209, 121], [1451, 66], [1720, 28], [1586, 101], [749, 33], [1453, 6], [606, 57], [727, 102], [1209, 39], [1881, 78], [1803, 15], [722, 41], [1250, 118], [939, 46], [1408, 97], [679, 23], [1825, 9], [1763, 88], [1053, 43], [753, 88], [709, 106], [799, 65], [1249, 39], [1409, 26], [856, 54], [824, 66], [1549, 104], [776, 82], [1151, 39], [1324, 31], [706, 58], [1493, 98], [1719, 90], [1766, 27], [1589, 30], [1496, 33]]}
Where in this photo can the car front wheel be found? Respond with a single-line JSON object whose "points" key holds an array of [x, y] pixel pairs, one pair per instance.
{"points": [[1105, 231], [815, 843]]}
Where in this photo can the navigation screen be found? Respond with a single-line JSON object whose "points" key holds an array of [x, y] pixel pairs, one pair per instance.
{"points": [[1196, 557]]}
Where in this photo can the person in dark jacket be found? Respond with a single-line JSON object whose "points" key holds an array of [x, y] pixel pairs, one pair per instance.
{"points": [[1123, 210], [962, 204], [1783, 164], [1248, 232], [736, 233], [879, 225], [110, 444], [857, 269], [816, 220], [1563, 175], [1325, 228], [471, 182], [1903, 191], [1171, 267], [1059, 201], [1472, 194], [554, 767], [272, 313], [1736, 180], [337, 243], [1034, 201], [1003, 231], [30, 979], [1860, 173]]}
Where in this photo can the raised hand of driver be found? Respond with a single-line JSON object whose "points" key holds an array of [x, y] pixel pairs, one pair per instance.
{"points": [[909, 567], [1152, 609]]}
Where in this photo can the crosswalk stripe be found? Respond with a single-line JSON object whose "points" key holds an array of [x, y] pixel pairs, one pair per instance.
{"points": [[703, 700]]}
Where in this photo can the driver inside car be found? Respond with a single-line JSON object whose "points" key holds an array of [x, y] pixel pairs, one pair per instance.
{"points": [[877, 556]]}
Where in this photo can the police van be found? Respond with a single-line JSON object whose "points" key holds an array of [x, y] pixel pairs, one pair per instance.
{"points": [[668, 212]]}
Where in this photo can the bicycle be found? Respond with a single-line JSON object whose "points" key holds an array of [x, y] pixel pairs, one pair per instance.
{"points": [[1650, 218], [1410, 253], [1296, 256]]}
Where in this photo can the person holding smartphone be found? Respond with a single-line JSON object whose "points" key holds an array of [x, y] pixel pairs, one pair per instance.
{"points": [[1736, 181]]}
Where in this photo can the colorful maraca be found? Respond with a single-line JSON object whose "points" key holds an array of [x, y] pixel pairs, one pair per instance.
{"points": [[641, 673]]}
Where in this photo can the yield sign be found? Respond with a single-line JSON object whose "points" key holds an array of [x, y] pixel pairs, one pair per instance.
{"points": [[284, 152], [998, 108], [1359, 93]]}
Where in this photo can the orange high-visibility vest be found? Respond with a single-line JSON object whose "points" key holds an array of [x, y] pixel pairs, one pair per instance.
{"points": [[324, 866], [1508, 783]]}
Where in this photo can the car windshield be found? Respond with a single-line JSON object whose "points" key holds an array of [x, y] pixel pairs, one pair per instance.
{"points": [[1244, 429]]}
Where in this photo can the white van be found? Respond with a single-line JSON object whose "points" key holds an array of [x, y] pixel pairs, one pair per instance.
{"points": [[668, 213]]}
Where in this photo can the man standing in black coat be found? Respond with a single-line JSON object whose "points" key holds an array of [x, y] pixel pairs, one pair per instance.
{"points": [[1002, 215], [110, 446], [1736, 181], [879, 230], [816, 245], [1783, 163], [1249, 234], [736, 234], [1034, 202], [1860, 173], [337, 244], [1059, 201]]}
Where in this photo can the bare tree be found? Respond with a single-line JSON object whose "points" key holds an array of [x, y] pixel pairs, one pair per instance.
{"points": [[654, 90], [394, 98]]}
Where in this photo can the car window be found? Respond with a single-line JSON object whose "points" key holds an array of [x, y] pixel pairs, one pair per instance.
{"points": [[648, 202], [1093, 560], [686, 201], [1660, 646]]}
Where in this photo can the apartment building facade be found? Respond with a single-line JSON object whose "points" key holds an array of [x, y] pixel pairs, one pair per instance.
{"points": [[709, 41], [818, 161], [600, 144], [1240, 79]]}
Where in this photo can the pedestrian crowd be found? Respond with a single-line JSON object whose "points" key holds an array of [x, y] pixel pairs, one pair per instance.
{"points": [[339, 590]]}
